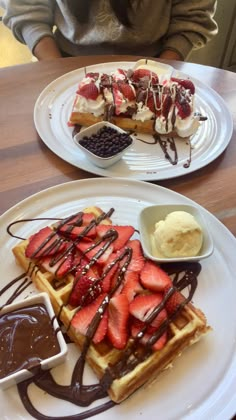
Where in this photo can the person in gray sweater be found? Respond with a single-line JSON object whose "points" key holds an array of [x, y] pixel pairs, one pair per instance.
{"points": [[169, 29]]}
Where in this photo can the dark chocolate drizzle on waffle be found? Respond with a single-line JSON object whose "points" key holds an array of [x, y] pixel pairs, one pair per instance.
{"points": [[185, 277]]}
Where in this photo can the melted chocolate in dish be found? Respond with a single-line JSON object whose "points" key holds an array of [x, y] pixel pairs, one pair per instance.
{"points": [[184, 277], [26, 338]]}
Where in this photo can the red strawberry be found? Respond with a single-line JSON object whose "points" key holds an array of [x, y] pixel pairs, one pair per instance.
{"points": [[85, 291], [106, 282], [92, 250], [183, 106], [124, 234], [166, 105], [131, 285], [143, 305], [88, 91], [83, 318], [93, 75], [154, 278], [137, 261], [81, 219], [158, 345], [173, 301], [127, 91], [186, 83], [74, 232], [118, 315], [43, 243], [57, 265], [141, 73]]}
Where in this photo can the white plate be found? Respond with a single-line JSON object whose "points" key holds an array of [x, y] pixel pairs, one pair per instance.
{"points": [[143, 161], [202, 383]]}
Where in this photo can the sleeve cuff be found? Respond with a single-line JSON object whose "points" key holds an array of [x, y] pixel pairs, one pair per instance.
{"points": [[179, 44], [32, 33]]}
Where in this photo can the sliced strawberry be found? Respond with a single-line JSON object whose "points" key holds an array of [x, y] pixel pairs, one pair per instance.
{"points": [[43, 243], [141, 73], [95, 251], [173, 301], [85, 291], [158, 345], [74, 232], [127, 90], [93, 75], [154, 278], [107, 278], [131, 285], [88, 91], [60, 266], [137, 260], [83, 318], [186, 83], [183, 106], [166, 105], [124, 234], [142, 307], [118, 315]]}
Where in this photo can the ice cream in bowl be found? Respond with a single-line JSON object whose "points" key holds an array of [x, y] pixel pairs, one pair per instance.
{"points": [[172, 232]]}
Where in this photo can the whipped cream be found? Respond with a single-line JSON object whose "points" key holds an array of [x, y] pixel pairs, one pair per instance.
{"points": [[143, 113], [90, 106]]}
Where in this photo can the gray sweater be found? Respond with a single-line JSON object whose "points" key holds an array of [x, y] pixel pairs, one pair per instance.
{"points": [[156, 25]]}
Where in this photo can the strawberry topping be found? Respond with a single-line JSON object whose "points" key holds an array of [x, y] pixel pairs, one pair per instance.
{"points": [[85, 291], [88, 90], [118, 315], [124, 234], [43, 243], [185, 83], [154, 278]]}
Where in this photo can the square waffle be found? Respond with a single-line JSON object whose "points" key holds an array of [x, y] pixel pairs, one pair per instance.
{"points": [[122, 371]]}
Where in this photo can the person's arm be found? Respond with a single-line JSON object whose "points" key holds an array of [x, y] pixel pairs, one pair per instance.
{"points": [[191, 27], [30, 22], [46, 49], [170, 55]]}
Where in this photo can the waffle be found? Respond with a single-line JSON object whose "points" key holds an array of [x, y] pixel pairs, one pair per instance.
{"points": [[189, 325]]}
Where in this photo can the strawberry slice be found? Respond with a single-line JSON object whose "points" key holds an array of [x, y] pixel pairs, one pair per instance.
{"points": [[141, 73], [91, 250], [74, 232], [93, 75], [124, 234], [60, 266], [183, 106], [108, 273], [83, 318], [186, 83], [88, 91], [166, 105], [158, 345], [132, 285], [154, 278], [142, 307], [138, 260], [173, 301], [85, 291], [43, 243], [118, 315], [127, 91]]}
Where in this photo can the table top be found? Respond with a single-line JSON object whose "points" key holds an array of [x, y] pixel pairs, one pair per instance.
{"points": [[28, 166]]}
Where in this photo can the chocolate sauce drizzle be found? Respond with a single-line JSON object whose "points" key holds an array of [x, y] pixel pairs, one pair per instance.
{"points": [[185, 276]]}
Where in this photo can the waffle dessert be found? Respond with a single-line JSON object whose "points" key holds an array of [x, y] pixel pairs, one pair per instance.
{"points": [[125, 313], [137, 100]]}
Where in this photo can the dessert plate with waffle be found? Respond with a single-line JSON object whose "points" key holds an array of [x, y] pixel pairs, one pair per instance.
{"points": [[142, 345], [178, 124]]}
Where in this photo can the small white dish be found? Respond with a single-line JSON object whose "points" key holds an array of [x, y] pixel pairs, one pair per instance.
{"points": [[19, 313], [150, 215], [97, 160]]}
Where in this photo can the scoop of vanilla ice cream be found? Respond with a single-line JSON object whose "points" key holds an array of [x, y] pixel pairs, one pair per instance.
{"points": [[179, 235]]}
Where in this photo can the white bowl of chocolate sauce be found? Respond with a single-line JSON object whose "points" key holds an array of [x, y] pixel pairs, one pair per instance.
{"points": [[30, 339]]}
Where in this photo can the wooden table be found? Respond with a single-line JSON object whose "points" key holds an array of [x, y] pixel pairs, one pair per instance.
{"points": [[28, 166]]}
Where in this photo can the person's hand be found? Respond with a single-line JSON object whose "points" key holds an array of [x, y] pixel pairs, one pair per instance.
{"points": [[170, 55], [46, 49]]}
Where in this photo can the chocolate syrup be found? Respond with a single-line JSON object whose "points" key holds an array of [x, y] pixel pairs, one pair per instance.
{"points": [[185, 275], [27, 337]]}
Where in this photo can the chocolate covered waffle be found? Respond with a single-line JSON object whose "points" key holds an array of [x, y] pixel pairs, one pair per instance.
{"points": [[127, 315], [137, 100]]}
